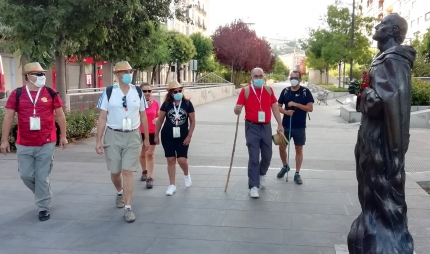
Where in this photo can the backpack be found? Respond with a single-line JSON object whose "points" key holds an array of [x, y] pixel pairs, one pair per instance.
{"points": [[247, 91], [110, 88], [15, 127], [302, 91]]}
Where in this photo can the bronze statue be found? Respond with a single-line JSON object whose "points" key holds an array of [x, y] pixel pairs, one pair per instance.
{"points": [[382, 142]]}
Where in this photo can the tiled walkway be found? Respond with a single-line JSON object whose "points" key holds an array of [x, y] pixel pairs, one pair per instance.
{"points": [[287, 218]]}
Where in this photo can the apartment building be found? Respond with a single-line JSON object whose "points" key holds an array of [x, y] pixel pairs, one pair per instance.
{"points": [[416, 13]]}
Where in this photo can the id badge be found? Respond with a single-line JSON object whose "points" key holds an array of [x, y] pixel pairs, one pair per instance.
{"points": [[176, 132], [261, 117], [35, 123], [126, 124]]}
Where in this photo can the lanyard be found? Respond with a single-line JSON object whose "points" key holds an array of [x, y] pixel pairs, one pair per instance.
{"points": [[31, 99], [259, 99], [177, 111]]}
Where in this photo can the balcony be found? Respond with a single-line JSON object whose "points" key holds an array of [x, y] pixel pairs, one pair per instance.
{"points": [[200, 9]]}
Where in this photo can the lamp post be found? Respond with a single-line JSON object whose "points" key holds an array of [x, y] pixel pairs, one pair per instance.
{"points": [[352, 38]]}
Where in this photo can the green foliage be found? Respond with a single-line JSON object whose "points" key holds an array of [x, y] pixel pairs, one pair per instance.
{"points": [[152, 50], [181, 48], [305, 78], [331, 87], [325, 48], [280, 68], [11, 138], [421, 66], [278, 77], [204, 52], [420, 92], [80, 124]]}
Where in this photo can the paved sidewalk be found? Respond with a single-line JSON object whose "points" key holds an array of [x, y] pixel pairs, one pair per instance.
{"points": [[287, 218]]}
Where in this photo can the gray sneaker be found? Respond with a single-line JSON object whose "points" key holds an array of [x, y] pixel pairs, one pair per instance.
{"points": [[129, 215], [119, 201]]}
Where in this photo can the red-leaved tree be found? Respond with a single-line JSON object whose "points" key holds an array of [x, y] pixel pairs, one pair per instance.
{"points": [[239, 48]]}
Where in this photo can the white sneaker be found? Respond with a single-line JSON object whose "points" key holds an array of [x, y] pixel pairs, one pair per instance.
{"points": [[262, 182], [253, 192], [170, 190], [187, 180]]}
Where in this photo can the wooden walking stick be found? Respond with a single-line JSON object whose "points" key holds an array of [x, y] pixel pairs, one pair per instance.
{"points": [[232, 153]]}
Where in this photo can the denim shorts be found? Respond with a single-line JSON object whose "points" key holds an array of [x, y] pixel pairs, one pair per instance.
{"points": [[298, 135]]}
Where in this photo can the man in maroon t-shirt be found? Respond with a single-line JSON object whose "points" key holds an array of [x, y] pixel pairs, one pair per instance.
{"points": [[37, 137], [259, 102]]}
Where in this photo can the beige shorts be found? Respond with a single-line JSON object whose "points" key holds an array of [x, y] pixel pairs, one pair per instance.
{"points": [[122, 150]]}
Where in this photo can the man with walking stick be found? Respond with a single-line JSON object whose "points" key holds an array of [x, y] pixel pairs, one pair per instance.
{"points": [[298, 102], [259, 102]]}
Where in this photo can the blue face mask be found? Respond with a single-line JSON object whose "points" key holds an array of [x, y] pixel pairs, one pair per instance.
{"points": [[126, 78], [258, 82], [177, 96]]}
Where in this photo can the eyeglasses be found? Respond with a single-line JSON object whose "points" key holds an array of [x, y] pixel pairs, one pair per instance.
{"points": [[38, 74], [258, 76], [177, 91], [147, 91], [124, 102], [294, 78]]}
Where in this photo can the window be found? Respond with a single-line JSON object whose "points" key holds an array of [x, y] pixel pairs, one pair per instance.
{"points": [[427, 17], [412, 23]]}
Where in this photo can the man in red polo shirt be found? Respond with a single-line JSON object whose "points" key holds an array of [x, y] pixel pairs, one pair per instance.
{"points": [[35, 105], [259, 102]]}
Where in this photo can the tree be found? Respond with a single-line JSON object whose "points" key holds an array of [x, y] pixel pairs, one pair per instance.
{"points": [[421, 66], [239, 48], [151, 51], [280, 67], [43, 30], [204, 50], [181, 50]]}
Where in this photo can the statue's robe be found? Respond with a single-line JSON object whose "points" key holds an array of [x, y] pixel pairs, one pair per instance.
{"points": [[382, 142]]}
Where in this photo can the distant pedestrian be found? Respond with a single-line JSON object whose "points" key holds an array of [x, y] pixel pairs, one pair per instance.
{"points": [[122, 111], [36, 106], [259, 101], [298, 101], [147, 157], [177, 114]]}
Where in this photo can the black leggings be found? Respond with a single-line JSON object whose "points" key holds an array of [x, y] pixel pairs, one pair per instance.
{"points": [[174, 147]]}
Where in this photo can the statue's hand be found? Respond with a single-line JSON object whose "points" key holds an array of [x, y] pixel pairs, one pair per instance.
{"points": [[353, 87], [371, 103]]}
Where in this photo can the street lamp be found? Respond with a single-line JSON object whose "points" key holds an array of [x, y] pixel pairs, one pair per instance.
{"points": [[352, 38]]}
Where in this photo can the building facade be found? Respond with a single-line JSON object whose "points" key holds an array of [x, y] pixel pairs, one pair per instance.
{"points": [[416, 13]]}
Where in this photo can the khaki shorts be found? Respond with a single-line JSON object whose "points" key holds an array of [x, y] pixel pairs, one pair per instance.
{"points": [[122, 150]]}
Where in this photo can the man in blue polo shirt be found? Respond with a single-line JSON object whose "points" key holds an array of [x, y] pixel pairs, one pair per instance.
{"points": [[298, 102]]}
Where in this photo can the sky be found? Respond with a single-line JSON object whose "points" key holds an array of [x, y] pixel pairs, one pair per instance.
{"points": [[273, 18]]}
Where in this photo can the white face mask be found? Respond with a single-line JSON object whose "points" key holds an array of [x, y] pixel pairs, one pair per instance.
{"points": [[294, 82], [40, 82]]}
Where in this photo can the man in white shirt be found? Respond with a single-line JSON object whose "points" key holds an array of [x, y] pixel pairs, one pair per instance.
{"points": [[122, 111]]}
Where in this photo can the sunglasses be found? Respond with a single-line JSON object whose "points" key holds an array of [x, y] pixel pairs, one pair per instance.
{"points": [[294, 78], [124, 102], [38, 74], [147, 91], [177, 91]]}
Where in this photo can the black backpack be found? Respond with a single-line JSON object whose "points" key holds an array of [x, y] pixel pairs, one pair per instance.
{"points": [[15, 127], [287, 92], [110, 88]]}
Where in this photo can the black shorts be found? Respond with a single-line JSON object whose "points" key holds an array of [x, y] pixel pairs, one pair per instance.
{"points": [[151, 138], [174, 147], [298, 135]]}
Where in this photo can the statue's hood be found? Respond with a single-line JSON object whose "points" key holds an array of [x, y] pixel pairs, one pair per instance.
{"points": [[405, 51]]}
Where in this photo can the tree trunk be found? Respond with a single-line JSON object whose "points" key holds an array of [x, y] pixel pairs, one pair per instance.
{"points": [[178, 75], [339, 72], [326, 74], [154, 70], [133, 81], [81, 84], [343, 83], [60, 68], [167, 75], [321, 72]]}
